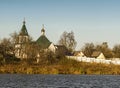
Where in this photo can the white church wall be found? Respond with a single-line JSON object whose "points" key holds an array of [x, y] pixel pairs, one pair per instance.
{"points": [[52, 47]]}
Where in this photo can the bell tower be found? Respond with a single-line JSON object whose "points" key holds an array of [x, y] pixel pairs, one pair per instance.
{"points": [[21, 41]]}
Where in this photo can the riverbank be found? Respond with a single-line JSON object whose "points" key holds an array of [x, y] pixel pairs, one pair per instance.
{"points": [[64, 66]]}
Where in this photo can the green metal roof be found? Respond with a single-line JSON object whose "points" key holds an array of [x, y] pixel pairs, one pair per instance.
{"points": [[23, 30], [43, 42]]}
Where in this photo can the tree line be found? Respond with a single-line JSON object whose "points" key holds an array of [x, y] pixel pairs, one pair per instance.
{"points": [[67, 39], [89, 48], [7, 49]]}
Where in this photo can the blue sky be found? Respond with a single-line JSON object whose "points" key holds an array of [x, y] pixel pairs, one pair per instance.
{"points": [[94, 21]]}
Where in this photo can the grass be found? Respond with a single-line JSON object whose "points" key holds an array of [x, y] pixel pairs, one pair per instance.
{"points": [[64, 66]]}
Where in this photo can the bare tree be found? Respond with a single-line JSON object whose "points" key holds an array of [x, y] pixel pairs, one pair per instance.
{"points": [[104, 48], [6, 50], [32, 49], [6, 45], [116, 51], [14, 37], [68, 40], [88, 49]]}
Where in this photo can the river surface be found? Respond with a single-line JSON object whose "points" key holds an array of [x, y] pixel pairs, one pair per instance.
{"points": [[59, 81]]}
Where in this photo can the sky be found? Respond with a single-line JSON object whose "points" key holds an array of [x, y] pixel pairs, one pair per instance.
{"points": [[94, 21]]}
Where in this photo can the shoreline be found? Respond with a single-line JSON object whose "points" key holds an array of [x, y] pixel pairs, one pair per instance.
{"points": [[71, 67]]}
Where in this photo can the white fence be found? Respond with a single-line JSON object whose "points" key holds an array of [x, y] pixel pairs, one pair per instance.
{"points": [[115, 61]]}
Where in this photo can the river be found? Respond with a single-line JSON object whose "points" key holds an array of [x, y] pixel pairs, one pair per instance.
{"points": [[59, 81]]}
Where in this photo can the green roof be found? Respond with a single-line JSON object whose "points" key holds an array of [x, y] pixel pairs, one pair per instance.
{"points": [[23, 30], [43, 42]]}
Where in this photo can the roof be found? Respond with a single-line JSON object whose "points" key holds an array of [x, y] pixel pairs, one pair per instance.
{"points": [[78, 53], [23, 29], [96, 53], [60, 46], [43, 42]]}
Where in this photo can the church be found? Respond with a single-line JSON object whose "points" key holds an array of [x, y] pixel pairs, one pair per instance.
{"points": [[21, 41], [43, 42]]}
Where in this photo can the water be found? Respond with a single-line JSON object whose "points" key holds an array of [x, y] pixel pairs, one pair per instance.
{"points": [[59, 81]]}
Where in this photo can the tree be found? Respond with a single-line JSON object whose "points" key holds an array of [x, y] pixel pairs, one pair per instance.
{"points": [[116, 51], [6, 46], [68, 40], [6, 51], [104, 48], [13, 37], [88, 49], [32, 49], [23, 44]]}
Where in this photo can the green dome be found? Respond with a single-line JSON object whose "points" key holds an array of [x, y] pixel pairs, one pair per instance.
{"points": [[43, 42]]}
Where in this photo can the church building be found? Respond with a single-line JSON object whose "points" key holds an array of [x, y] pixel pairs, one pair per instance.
{"points": [[21, 41], [43, 43]]}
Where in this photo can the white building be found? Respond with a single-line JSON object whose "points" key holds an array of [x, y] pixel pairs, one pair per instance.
{"points": [[98, 55], [21, 41]]}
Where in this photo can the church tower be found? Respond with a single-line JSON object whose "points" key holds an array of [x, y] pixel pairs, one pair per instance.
{"points": [[23, 35], [21, 40]]}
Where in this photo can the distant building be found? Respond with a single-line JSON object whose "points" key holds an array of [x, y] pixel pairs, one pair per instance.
{"points": [[79, 53], [97, 54], [42, 42], [20, 42], [45, 44]]}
